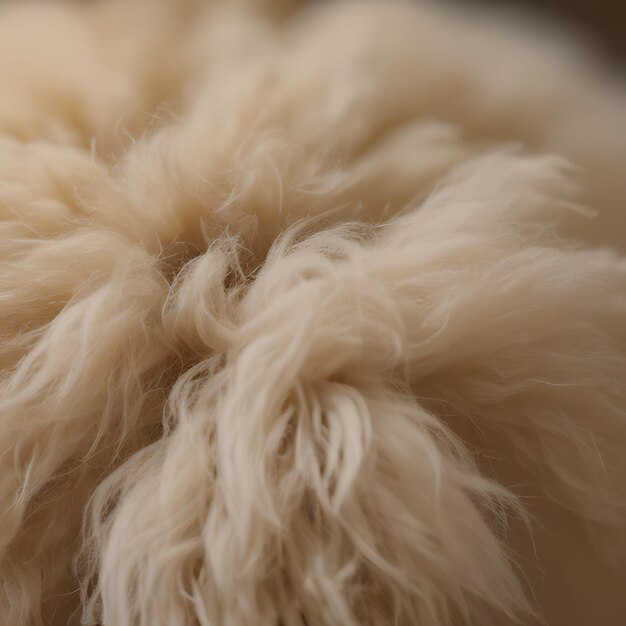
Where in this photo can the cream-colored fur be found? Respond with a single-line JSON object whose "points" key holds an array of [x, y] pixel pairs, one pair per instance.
{"points": [[305, 318]]}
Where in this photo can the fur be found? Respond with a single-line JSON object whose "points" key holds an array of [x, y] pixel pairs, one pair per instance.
{"points": [[309, 315]]}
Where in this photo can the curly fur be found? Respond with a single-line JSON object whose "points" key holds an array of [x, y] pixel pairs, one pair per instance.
{"points": [[306, 318]]}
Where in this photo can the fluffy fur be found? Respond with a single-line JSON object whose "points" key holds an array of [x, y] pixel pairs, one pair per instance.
{"points": [[305, 319]]}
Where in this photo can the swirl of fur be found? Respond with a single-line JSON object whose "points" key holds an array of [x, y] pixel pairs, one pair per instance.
{"points": [[304, 318]]}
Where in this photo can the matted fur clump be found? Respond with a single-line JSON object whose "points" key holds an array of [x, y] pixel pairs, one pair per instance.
{"points": [[306, 318]]}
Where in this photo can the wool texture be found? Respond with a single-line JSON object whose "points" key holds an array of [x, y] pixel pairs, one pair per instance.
{"points": [[309, 315]]}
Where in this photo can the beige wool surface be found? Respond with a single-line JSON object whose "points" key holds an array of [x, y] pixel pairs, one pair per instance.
{"points": [[310, 315]]}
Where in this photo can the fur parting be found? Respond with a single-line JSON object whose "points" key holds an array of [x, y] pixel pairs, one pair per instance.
{"points": [[308, 315]]}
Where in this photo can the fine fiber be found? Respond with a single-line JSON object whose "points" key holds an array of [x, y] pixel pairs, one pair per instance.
{"points": [[310, 315]]}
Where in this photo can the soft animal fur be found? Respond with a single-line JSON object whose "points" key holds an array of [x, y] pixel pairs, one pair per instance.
{"points": [[305, 319]]}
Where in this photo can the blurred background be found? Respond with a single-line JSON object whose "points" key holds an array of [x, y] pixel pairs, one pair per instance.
{"points": [[603, 22]]}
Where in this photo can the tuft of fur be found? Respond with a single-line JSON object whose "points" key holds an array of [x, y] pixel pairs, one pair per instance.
{"points": [[304, 319]]}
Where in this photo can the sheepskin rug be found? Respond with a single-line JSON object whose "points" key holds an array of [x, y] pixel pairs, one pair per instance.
{"points": [[310, 315]]}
